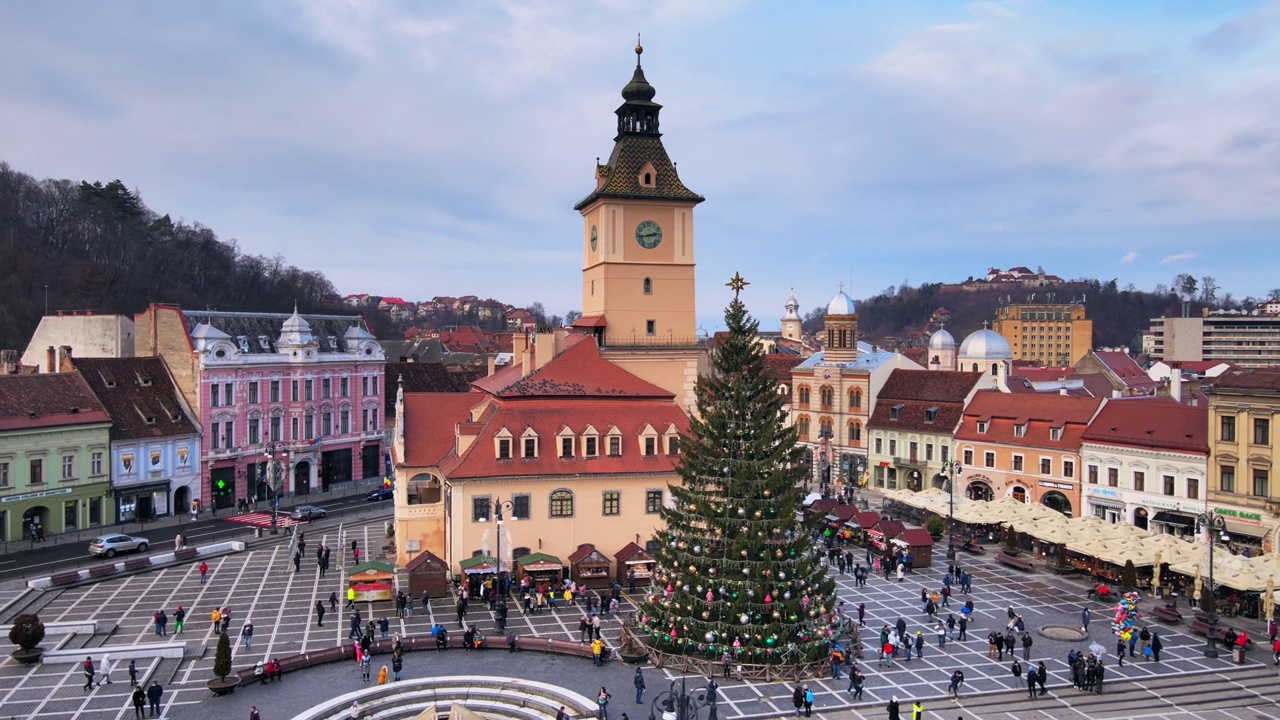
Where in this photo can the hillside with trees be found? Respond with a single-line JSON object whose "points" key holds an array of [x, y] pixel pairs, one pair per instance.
{"points": [[900, 316], [98, 247]]}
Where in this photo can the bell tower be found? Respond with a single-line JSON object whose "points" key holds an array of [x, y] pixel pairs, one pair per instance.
{"points": [[637, 235]]}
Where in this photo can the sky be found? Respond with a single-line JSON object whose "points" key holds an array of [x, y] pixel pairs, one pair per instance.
{"points": [[419, 149]]}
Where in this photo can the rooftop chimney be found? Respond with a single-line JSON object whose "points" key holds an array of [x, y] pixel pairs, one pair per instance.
{"points": [[1175, 384], [51, 360]]}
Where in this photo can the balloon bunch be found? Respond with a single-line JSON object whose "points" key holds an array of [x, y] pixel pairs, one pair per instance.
{"points": [[1127, 614]]}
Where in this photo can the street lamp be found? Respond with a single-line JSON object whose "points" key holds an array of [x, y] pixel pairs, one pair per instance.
{"points": [[683, 704], [269, 450], [824, 458], [951, 470], [498, 505], [1215, 524]]}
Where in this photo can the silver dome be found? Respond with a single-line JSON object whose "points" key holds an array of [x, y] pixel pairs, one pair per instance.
{"points": [[942, 340], [985, 345], [841, 304]]}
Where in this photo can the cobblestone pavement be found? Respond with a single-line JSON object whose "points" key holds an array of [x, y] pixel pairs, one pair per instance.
{"points": [[260, 585]]}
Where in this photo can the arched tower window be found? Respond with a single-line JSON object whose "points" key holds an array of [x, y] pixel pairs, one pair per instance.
{"points": [[802, 425], [826, 395], [648, 284], [855, 398], [855, 432], [804, 394], [994, 370]]}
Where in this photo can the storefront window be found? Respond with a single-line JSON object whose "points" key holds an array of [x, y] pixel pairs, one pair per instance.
{"points": [[70, 516], [95, 511]]}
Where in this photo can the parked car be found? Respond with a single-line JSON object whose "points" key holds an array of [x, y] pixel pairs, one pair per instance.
{"points": [[383, 493], [109, 545], [308, 513]]}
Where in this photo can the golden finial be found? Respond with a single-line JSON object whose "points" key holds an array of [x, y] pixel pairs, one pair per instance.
{"points": [[639, 49], [737, 284]]}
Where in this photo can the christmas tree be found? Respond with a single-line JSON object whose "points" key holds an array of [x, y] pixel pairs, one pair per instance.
{"points": [[736, 572]]}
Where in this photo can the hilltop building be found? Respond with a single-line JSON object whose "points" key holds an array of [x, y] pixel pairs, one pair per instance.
{"points": [[1244, 340], [1046, 333]]}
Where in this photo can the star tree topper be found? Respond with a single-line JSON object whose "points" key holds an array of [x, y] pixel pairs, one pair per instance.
{"points": [[737, 284]]}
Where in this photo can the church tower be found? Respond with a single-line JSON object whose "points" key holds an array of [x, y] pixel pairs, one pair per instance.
{"points": [[637, 235], [841, 326], [791, 319]]}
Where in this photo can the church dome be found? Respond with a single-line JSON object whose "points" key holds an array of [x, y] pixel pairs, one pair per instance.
{"points": [[792, 307], [841, 304], [639, 88], [942, 340], [985, 345]]}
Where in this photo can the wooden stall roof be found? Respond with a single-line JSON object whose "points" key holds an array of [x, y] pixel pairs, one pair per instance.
{"points": [[889, 528], [822, 507], [540, 561], [632, 553], [915, 537], [842, 513], [867, 519], [425, 559], [587, 554]]}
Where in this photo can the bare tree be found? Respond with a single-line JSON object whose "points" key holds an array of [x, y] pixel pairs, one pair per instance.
{"points": [[1208, 289]]}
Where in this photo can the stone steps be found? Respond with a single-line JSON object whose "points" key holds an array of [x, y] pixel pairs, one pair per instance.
{"points": [[490, 696]]}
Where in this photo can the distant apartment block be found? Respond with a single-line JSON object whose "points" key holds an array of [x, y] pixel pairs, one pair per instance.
{"points": [[1246, 340], [1046, 333]]}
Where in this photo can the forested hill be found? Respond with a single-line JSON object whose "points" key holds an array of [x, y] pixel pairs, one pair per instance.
{"points": [[1119, 315], [98, 247]]}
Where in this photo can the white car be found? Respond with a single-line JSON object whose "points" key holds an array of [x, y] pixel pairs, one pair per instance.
{"points": [[109, 545]]}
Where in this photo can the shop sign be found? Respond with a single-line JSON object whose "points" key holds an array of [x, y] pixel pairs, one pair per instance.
{"points": [[979, 477], [34, 495], [1056, 485], [1102, 492], [1245, 516]]}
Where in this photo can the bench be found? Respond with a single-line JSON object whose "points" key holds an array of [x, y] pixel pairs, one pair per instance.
{"points": [[1014, 561], [102, 570], [974, 549], [1200, 626], [559, 647], [186, 553], [65, 578], [137, 563], [1167, 613]]}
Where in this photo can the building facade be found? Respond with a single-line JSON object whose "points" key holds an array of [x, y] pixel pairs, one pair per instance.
{"points": [[279, 397], [1046, 333], [913, 426], [1244, 406], [54, 444], [1025, 446], [79, 334], [1146, 463], [574, 450], [1245, 340], [155, 442]]}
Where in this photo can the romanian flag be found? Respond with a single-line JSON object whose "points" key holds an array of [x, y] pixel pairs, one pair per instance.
{"points": [[314, 441]]}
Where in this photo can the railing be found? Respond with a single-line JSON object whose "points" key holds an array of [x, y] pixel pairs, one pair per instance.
{"points": [[912, 462], [653, 341], [632, 642]]}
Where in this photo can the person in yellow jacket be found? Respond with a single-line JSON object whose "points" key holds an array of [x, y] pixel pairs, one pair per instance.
{"points": [[351, 598], [597, 651], [382, 675], [216, 617]]}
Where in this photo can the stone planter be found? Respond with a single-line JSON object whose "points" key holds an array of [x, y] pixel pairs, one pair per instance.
{"points": [[27, 657], [223, 687]]}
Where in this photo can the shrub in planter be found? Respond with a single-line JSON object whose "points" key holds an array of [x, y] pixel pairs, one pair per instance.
{"points": [[222, 657], [1011, 541], [1129, 577], [27, 632], [934, 525]]}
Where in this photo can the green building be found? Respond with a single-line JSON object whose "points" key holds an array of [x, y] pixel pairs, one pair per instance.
{"points": [[55, 469]]}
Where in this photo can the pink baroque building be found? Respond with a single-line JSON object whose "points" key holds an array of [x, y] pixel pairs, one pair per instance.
{"points": [[305, 392]]}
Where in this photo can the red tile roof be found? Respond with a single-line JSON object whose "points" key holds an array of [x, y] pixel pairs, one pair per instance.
{"points": [[1126, 369], [1039, 411], [1042, 374], [578, 371], [916, 537], [779, 366], [429, 420], [138, 394], [47, 400], [547, 417], [1266, 380], [1158, 423], [918, 391]]}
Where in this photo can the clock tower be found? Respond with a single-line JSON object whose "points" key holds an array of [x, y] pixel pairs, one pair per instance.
{"points": [[637, 237]]}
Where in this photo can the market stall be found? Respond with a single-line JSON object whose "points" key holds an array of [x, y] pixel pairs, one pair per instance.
{"points": [[589, 567], [835, 522], [634, 559], [427, 573], [371, 580], [918, 544], [880, 534], [540, 568]]}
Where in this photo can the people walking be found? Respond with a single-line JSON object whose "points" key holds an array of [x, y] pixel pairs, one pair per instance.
{"points": [[1026, 645], [1156, 646], [1042, 676], [639, 683], [856, 682], [808, 702], [602, 704], [953, 688], [351, 599], [1031, 683], [179, 620], [892, 708], [397, 664], [139, 698], [246, 635], [106, 671], [88, 673], [204, 572], [133, 673], [366, 666], [319, 614]]}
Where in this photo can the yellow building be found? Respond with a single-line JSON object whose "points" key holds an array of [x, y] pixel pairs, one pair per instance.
{"points": [[638, 253], [1244, 406], [572, 451], [1046, 333]]}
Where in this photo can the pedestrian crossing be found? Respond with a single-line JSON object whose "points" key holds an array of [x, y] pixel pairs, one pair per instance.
{"points": [[262, 519]]}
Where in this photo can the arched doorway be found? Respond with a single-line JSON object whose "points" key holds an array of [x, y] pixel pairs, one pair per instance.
{"points": [[37, 516], [1019, 493], [302, 478], [940, 481], [979, 490], [181, 500], [913, 481], [1055, 500], [1140, 518]]}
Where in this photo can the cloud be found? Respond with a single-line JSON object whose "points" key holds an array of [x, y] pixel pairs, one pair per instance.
{"points": [[1176, 258], [1129, 256], [1250, 31]]}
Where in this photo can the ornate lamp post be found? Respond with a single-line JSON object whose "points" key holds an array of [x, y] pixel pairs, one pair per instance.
{"points": [[951, 469], [824, 459], [1216, 525], [275, 477], [680, 703], [498, 506]]}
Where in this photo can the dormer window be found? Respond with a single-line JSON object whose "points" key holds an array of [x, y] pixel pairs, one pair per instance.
{"points": [[648, 176], [590, 446], [566, 447], [530, 448], [931, 414], [243, 342], [982, 427], [615, 445], [651, 446], [1055, 433], [504, 448], [673, 444], [895, 412], [1020, 430], [264, 342]]}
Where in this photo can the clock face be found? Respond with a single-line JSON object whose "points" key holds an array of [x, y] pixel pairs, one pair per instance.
{"points": [[648, 234], [594, 236]]}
